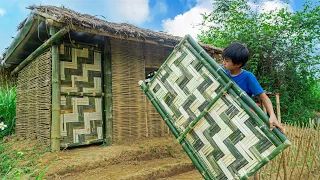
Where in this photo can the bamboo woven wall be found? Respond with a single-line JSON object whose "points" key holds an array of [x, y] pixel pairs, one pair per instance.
{"points": [[133, 115], [33, 107], [155, 57]]}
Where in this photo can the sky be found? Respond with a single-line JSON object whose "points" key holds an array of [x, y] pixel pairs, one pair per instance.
{"points": [[176, 17]]}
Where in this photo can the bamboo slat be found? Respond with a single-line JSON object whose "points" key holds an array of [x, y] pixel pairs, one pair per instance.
{"points": [[228, 139]]}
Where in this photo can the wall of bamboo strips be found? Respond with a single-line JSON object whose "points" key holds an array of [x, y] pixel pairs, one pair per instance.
{"points": [[33, 107], [133, 115]]}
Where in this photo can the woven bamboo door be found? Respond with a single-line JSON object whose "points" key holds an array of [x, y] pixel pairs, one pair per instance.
{"points": [[81, 95]]}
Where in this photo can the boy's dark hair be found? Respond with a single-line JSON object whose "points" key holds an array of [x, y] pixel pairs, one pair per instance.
{"points": [[237, 52]]}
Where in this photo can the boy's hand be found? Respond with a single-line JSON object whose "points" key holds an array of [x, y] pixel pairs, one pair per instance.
{"points": [[274, 123]]}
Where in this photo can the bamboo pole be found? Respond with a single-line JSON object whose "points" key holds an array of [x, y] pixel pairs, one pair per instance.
{"points": [[54, 38], [185, 146], [55, 121], [108, 90], [279, 163], [278, 107], [296, 157], [305, 157], [103, 90]]}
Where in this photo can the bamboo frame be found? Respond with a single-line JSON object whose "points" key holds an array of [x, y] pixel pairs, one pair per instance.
{"points": [[236, 88], [56, 91], [41, 49], [243, 104], [277, 138]]}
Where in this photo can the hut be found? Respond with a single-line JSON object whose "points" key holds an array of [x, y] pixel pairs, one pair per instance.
{"points": [[77, 78]]}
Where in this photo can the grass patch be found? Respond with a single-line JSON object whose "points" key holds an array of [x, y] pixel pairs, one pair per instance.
{"points": [[22, 163]]}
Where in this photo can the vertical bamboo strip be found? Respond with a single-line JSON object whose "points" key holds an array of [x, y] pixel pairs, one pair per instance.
{"points": [[279, 163], [108, 90], [305, 157], [278, 107], [271, 169], [103, 90], [55, 121], [296, 158], [284, 165], [316, 145]]}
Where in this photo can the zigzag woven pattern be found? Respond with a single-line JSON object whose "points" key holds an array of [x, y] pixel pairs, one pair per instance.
{"points": [[227, 140], [81, 116]]}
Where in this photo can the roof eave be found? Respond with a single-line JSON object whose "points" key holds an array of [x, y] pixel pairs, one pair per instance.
{"points": [[19, 39]]}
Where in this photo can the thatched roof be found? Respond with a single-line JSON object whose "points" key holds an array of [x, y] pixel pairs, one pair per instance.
{"points": [[71, 17], [74, 18], [61, 16]]}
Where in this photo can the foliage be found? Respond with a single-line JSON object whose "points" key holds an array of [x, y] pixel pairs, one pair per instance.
{"points": [[284, 48], [7, 110], [15, 163]]}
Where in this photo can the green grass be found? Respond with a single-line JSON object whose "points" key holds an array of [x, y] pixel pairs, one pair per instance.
{"points": [[23, 162], [7, 110]]}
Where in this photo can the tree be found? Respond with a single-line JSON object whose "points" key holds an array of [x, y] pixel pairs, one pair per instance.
{"points": [[284, 48]]}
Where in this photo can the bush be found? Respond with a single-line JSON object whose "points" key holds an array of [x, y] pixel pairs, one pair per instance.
{"points": [[7, 110]]}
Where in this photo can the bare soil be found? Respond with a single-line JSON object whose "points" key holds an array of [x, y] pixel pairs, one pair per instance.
{"points": [[157, 158]]}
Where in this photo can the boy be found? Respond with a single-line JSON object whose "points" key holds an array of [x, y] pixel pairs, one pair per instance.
{"points": [[235, 56]]}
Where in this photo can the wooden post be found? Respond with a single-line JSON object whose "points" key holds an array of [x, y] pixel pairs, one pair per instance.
{"points": [[278, 107], [55, 120]]}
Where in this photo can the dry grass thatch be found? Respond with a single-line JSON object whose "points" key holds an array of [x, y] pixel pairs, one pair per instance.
{"points": [[70, 17]]}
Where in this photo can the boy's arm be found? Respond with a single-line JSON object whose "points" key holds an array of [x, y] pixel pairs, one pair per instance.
{"points": [[268, 105]]}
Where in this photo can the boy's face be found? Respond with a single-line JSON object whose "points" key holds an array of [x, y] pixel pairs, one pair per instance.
{"points": [[229, 65]]}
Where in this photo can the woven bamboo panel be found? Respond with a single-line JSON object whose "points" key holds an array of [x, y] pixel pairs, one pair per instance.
{"points": [[34, 99], [81, 116], [226, 141], [133, 116]]}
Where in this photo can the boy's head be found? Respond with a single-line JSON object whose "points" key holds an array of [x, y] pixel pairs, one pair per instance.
{"points": [[236, 53]]}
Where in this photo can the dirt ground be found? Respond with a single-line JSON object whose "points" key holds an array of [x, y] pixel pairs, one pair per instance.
{"points": [[157, 158]]}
